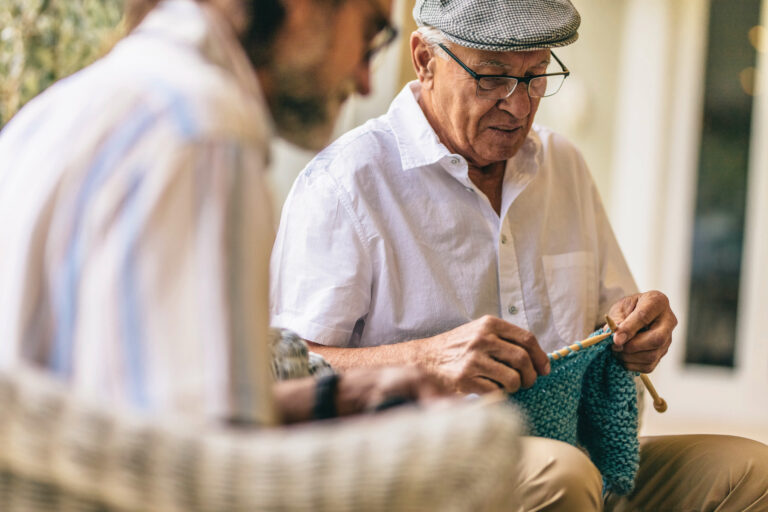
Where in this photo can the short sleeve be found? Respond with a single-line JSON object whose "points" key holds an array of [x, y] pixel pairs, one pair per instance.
{"points": [[321, 271]]}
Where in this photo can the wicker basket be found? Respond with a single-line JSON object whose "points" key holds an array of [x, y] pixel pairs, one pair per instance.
{"points": [[60, 453]]}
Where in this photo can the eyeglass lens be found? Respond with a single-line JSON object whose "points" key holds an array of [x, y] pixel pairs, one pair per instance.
{"points": [[500, 87]]}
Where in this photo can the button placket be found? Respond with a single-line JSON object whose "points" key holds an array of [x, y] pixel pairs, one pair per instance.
{"points": [[510, 284]]}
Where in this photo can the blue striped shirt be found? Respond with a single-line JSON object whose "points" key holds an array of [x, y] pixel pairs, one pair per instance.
{"points": [[135, 224]]}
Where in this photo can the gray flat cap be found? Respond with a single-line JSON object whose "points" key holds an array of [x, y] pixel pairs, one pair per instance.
{"points": [[502, 25]]}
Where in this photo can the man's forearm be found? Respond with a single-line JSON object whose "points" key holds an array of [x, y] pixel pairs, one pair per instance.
{"points": [[295, 398], [397, 354], [479, 356]]}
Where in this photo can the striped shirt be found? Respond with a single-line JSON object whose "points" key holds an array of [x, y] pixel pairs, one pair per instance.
{"points": [[135, 224]]}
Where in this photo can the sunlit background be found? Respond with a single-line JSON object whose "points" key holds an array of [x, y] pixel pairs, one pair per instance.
{"points": [[667, 101]]}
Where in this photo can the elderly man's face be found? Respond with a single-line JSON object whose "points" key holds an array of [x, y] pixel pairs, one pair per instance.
{"points": [[483, 131], [320, 59]]}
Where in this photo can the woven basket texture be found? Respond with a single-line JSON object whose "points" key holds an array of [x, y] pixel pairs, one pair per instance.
{"points": [[60, 453]]}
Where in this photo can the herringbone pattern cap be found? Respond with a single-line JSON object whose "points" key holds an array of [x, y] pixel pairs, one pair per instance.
{"points": [[502, 25]]}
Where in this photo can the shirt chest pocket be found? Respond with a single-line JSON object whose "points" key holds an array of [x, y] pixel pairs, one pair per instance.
{"points": [[572, 289]]}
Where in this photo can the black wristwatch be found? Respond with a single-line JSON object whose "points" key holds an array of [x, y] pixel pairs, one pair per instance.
{"points": [[325, 397]]}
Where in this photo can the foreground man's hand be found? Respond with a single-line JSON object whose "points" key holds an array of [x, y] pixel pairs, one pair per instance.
{"points": [[484, 355], [358, 390], [645, 323], [364, 389]]}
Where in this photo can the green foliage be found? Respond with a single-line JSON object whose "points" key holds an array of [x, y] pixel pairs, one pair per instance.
{"points": [[42, 41]]}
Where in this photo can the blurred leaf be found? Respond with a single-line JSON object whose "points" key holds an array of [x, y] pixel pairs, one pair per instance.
{"points": [[42, 41]]}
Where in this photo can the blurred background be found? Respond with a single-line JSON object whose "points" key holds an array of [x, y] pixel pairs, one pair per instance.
{"points": [[667, 101]]}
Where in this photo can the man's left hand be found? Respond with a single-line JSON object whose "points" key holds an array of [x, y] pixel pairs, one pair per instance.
{"points": [[645, 323]]}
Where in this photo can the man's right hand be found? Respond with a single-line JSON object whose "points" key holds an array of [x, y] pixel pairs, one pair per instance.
{"points": [[484, 355]]}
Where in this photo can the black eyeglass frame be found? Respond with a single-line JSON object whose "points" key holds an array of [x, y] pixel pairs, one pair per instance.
{"points": [[524, 79], [389, 32], [384, 36]]}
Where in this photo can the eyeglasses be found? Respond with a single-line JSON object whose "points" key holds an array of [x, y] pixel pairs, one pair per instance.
{"points": [[381, 40], [498, 87], [385, 32]]}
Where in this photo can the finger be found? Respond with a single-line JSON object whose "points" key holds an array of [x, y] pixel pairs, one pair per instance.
{"points": [[649, 307], [622, 308], [652, 339], [641, 367], [644, 362], [410, 382], [482, 365], [390, 402], [522, 338], [645, 357], [479, 363], [480, 385], [516, 358], [509, 378]]}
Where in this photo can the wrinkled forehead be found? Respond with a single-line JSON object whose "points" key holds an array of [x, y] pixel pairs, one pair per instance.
{"points": [[507, 60]]}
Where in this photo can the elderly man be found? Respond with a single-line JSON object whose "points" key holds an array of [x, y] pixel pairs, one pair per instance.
{"points": [[136, 225], [453, 234]]}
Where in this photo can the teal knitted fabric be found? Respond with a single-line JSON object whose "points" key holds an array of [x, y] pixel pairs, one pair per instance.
{"points": [[589, 400]]}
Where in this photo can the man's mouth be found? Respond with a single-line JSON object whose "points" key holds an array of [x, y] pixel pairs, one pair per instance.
{"points": [[505, 129]]}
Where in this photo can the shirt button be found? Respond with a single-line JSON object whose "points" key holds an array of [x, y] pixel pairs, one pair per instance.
{"points": [[455, 161], [512, 309], [504, 239]]}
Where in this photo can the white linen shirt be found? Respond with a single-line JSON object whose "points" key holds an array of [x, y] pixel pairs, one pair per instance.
{"points": [[136, 226], [384, 238]]}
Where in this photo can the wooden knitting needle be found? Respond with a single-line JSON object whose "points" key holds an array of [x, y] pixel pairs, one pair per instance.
{"points": [[557, 354], [658, 403]]}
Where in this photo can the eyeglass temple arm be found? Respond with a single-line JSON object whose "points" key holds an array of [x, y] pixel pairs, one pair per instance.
{"points": [[455, 58], [565, 69]]}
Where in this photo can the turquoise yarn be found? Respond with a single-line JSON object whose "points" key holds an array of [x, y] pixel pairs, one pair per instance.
{"points": [[589, 400]]}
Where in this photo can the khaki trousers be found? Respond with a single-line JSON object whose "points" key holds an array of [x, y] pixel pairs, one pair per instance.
{"points": [[677, 473]]}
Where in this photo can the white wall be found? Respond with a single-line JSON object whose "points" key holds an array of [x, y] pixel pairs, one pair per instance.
{"points": [[584, 109], [657, 136]]}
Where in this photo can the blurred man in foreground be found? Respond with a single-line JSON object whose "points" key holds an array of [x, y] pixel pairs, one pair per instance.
{"points": [[136, 224]]}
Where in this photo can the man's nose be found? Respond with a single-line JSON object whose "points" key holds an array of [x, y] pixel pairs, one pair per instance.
{"points": [[363, 77], [518, 103]]}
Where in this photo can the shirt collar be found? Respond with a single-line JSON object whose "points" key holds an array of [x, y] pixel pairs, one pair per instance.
{"points": [[419, 145], [527, 160], [202, 28], [417, 142]]}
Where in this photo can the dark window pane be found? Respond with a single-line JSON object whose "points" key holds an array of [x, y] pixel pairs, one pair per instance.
{"points": [[722, 184]]}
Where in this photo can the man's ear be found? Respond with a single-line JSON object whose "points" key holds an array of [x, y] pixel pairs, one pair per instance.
{"points": [[423, 59]]}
